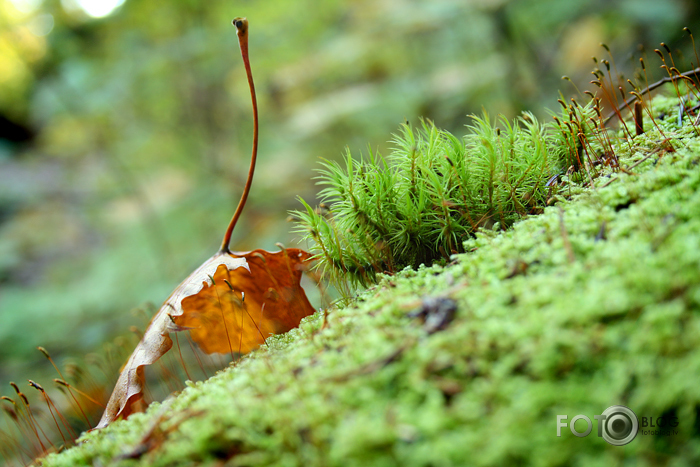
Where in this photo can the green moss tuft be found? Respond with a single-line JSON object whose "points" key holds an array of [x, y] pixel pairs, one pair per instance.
{"points": [[436, 190]]}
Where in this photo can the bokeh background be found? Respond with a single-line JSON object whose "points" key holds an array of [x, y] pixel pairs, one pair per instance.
{"points": [[125, 127]]}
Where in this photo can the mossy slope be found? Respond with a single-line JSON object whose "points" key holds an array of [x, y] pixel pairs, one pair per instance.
{"points": [[594, 303]]}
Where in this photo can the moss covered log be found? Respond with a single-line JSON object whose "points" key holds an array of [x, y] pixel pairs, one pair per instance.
{"points": [[595, 302]]}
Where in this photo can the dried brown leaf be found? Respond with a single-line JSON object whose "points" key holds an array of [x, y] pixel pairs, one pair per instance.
{"points": [[219, 321]]}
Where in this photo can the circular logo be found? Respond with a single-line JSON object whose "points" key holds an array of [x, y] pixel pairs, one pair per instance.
{"points": [[620, 425]]}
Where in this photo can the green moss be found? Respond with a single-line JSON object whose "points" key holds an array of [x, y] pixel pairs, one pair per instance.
{"points": [[433, 192], [593, 303]]}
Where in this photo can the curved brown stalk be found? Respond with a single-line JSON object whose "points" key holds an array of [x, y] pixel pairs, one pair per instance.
{"points": [[242, 32]]}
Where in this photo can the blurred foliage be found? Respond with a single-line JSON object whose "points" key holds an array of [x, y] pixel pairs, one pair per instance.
{"points": [[124, 139]]}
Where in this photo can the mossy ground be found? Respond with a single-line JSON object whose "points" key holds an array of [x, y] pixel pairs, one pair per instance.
{"points": [[593, 303]]}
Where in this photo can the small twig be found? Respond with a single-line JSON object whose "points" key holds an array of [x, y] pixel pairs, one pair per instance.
{"points": [[651, 87], [638, 118]]}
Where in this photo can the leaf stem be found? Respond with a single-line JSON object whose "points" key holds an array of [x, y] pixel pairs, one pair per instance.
{"points": [[241, 25]]}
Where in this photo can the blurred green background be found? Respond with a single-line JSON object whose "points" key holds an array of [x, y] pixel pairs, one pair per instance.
{"points": [[125, 126]]}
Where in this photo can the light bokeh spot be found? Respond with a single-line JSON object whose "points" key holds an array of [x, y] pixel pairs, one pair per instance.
{"points": [[93, 8], [41, 25]]}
